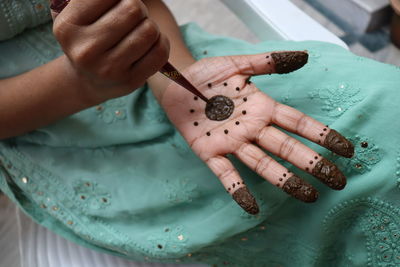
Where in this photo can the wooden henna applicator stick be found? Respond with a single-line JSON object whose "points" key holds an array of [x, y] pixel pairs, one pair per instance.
{"points": [[173, 74], [168, 70]]}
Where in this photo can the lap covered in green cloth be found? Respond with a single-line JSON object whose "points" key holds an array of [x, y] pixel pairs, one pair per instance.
{"points": [[120, 179]]}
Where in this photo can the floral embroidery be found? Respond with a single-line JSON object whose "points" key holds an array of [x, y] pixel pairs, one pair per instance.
{"points": [[286, 99], [18, 16], [379, 222], [366, 155], [337, 99], [360, 59], [170, 239], [181, 190], [112, 110], [92, 194], [398, 169], [63, 204]]}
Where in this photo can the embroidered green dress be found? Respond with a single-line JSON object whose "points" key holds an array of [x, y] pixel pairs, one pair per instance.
{"points": [[118, 178]]}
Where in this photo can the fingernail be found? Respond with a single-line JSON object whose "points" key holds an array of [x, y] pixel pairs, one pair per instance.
{"points": [[246, 200], [286, 62], [335, 142], [329, 174], [58, 5], [300, 189]]}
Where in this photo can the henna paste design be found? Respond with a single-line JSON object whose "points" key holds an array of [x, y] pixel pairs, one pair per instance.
{"points": [[286, 62], [338, 144], [246, 200], [300, 189], [219, 108], [329, 173]]}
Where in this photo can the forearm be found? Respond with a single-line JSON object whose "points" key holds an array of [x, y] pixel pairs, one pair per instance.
{"points": [[39, 97], [180, 55]]}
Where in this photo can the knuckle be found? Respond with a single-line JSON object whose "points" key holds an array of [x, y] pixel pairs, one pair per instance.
{"points": [[262, 165], [301, 124], [105, 71], [59, 30], [287, 147], [134, 10], [81, 55], [261, 134], [162, 50], [150, 30]]}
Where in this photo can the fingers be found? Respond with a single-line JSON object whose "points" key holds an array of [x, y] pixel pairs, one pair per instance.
{"points": [[121, 20], [297, 122], [121, 46], [152, 61], [275, 173], [135, 44], [83, 12], [267, 63], [292, 150], [233, 184]]}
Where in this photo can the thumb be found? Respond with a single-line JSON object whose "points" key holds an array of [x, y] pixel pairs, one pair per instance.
{"points": [[267, 63]]}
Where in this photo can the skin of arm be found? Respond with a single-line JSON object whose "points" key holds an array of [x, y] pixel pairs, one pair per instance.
{"points": [[179, 56], [39, 97]]}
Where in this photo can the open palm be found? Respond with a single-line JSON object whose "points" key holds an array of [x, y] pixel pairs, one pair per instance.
{"points": [[250, 128]]}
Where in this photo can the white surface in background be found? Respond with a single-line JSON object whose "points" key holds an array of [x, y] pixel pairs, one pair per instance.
{"points": [[280, 20], [24, 243], [211, 15]]}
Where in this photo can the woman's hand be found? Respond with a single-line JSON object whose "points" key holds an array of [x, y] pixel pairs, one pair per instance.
{"points": [[250, 128], [111, 44]]}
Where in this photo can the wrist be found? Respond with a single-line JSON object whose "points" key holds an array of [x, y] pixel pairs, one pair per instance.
{"points": [[158, 83], [87, 93]]}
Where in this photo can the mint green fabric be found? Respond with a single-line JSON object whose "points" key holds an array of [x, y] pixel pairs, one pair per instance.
{"points": [[118, 178]]}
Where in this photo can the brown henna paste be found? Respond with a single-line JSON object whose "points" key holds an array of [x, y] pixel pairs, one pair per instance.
{"points": [[286, 62], [335, 142], [329, 173], [58, 5], [300, 189], [246, 200], [219, 108]]}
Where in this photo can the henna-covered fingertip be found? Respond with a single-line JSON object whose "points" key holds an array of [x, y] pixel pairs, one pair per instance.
{"points": [[335, 142], [329, 173], [286, 62], [246, 200], [300, 189]]}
